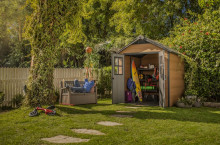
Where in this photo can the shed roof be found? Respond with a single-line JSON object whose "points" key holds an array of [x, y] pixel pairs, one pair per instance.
{"points": [[143, 40]]}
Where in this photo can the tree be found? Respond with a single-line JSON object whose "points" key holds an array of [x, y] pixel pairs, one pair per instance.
{"points": [[43, 28], [151, 18], [13, 47]]}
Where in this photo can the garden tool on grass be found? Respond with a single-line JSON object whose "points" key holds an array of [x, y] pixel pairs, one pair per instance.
{"points": [[48, 111]]}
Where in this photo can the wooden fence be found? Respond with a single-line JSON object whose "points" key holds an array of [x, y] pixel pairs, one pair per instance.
{"points": [[12, 80]]}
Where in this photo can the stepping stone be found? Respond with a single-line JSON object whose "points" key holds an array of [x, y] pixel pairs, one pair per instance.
{"points": [[133, 107], [122, 116], [64, 139], [88, 131], [109, 123], [124, 112]]}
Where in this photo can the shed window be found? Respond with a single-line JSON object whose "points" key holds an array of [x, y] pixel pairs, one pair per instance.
{"points": [[118, 66]]}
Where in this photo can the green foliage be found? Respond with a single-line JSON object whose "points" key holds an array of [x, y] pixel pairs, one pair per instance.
{"points": [[151, 18], [104, 81], [85, 23], [19, 56], [14, 51], [209, 3], [201, 99], [186, 101], [18, 100], [57, 96], [198, 42], [67, 63], [92, 60], [2, 96]]}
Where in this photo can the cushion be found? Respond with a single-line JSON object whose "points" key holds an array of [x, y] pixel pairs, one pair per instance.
{"points": [[76, 83], [93, 89], [88, 85]]}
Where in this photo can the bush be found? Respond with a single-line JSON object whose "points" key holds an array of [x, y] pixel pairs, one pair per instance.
{"points": [[198, 43], [104, 81], [186, 101], [18, 100], [56, 96], [2, 96]]}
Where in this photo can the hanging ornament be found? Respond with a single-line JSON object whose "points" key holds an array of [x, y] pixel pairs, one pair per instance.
{"points": [[88, 50]]}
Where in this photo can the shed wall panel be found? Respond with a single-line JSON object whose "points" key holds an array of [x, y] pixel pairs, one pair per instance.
{"points": [[176, 78], [166, 81]]}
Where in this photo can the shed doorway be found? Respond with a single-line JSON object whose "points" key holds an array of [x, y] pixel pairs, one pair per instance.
{"points": [[151, 71]]}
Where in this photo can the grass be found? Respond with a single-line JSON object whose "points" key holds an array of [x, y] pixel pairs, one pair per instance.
{"points": [[150, 125]]}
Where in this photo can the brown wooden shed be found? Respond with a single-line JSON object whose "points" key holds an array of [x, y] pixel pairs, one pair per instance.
{"points": [[145, 51]]}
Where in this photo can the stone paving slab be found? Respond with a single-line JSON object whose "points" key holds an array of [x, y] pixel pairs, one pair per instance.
{"points": [[88, 131], [64, 139]]}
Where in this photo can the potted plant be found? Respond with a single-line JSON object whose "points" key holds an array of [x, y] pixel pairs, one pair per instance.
{"points": [[191, 94], [180, 103], [184, 102], [199, 101], [188, 102]]}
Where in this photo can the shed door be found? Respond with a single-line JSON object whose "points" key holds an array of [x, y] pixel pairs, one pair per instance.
{"points": [[118, 94], [161, 79]]}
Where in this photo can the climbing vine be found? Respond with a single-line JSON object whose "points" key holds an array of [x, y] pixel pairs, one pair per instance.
{"points": [[44, 28]]}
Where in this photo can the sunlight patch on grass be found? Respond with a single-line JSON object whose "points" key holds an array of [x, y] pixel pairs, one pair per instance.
{"points": [[216, 112]]}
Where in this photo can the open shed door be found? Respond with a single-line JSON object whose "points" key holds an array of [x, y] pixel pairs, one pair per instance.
{"points": [[162, 79], [118, 94]]}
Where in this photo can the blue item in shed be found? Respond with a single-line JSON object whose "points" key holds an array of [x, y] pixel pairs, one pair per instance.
{"points": [[131, 85]]}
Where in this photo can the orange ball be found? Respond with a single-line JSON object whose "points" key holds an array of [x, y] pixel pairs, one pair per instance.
{"points": [[88, 50]]}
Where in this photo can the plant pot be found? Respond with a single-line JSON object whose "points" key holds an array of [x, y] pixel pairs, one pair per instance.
{"points": [[181, 105], [188, 106], [197, 104]]}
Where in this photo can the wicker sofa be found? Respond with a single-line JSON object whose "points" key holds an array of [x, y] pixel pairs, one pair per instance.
{"points": [[67, 97]]}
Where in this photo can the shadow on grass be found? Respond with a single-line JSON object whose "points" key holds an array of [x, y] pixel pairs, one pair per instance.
{"points": [[203, 115], [90, 106]]}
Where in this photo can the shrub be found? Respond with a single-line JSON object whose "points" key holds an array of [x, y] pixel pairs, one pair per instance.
{"points": [[186, 101], [18, 100], [104, 81], [2, 96], [57, 96], [198, 43]]}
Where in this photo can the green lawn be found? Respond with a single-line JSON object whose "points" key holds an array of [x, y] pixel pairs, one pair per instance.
{"points": [[150, 125]]}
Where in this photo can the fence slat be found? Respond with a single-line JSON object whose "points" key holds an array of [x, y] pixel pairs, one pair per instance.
{"points": [[12, 80]]}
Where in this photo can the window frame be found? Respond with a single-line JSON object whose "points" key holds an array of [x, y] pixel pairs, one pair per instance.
{"points": [[118, 66]]}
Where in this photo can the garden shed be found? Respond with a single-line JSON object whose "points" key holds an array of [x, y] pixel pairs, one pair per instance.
{"points": [[149, 57]]}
